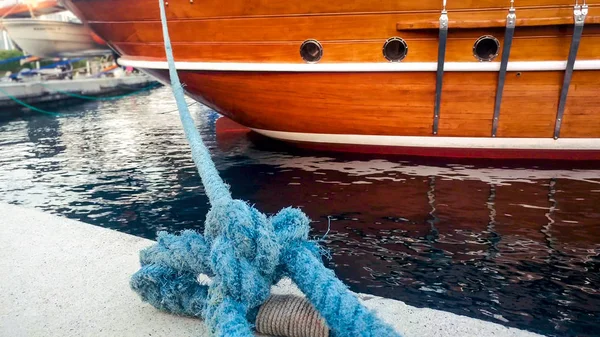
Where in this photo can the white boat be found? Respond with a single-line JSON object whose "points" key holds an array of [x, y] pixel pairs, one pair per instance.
{"points": [[46, 38]]}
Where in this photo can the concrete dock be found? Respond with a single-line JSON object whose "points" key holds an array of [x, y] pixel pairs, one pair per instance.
{"points": [[60, 277], [36, 92]]}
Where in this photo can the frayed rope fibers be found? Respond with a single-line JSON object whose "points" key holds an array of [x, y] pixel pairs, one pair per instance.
{"points": [[244, 253]]}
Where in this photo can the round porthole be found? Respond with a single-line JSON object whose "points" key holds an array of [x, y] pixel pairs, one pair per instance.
{"points": [[486, 48], [395, 49], [311, 51]]}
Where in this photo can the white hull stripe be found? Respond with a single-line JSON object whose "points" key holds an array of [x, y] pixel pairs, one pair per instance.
{"points": [[440, 142], [361, 67]]}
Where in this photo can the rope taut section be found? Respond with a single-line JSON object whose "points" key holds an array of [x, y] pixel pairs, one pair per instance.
{"points": [[244, 253]]}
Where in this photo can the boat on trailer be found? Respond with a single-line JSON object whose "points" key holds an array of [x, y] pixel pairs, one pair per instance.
{"points": [[43, 28], [484, 79], [51, 38]]}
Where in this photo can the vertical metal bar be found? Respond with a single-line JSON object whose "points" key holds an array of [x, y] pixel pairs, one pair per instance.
{"points": [[511, 20], [579, 14], [440, 67]]}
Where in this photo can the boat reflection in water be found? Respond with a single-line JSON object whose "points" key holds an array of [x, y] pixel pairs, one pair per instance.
{"points": [[519, 246]]}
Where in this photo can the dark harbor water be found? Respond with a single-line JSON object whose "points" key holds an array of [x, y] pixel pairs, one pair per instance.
{"points": [[515, 245]]}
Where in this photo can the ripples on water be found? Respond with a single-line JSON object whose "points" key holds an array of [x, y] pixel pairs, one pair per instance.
{"points": [[518, 246]]}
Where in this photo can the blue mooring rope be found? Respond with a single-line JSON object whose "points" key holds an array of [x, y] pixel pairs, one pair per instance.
{"points": [[245, 253]]}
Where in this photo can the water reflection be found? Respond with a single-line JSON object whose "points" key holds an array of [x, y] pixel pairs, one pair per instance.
{"points": [[514, 245], [498, 243]]}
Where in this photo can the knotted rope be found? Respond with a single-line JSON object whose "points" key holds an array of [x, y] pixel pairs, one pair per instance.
{"points": [[244, 253]]}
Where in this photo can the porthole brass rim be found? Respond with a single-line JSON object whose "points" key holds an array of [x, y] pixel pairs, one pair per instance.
{"points": [[392, 39], [312, 41], [486, 37]]}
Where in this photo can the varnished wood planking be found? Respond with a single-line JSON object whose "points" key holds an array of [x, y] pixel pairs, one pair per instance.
{"points": [[376, 103], [345, 38], [419, 50], [324, 28], [118, 10], [467, 104], [399, 104], [582, 113], [529, 104], [543, 17], [331, 27]]}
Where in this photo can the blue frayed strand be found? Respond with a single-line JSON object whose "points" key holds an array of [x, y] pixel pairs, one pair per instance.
{"points": [[244, 253]]}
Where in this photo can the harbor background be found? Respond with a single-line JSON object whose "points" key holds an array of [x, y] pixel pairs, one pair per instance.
{"points": [[516, 244]]}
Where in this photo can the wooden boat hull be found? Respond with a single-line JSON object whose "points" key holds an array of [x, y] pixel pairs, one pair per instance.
{"points": [[244, 62], [390, 113]]}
